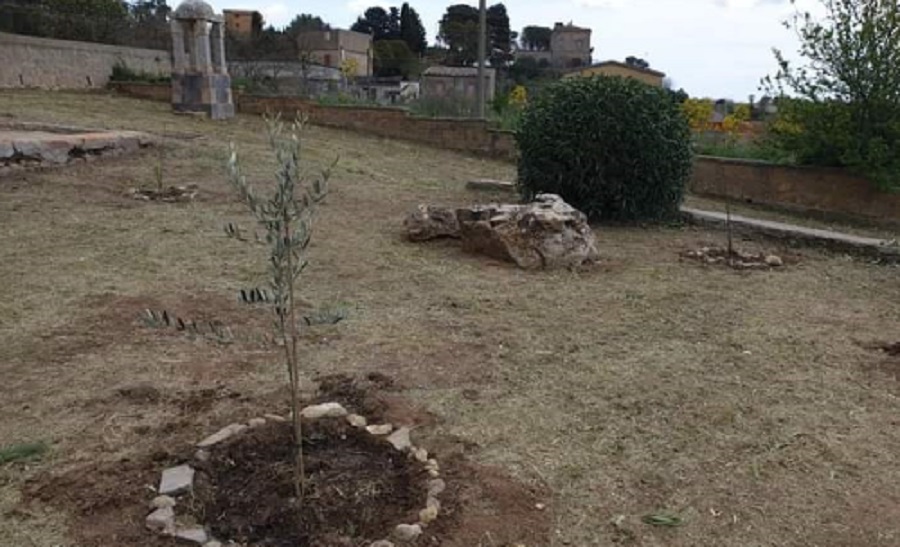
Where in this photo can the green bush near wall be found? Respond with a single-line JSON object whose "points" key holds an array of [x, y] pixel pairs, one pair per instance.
{"points": [[615, 148]]}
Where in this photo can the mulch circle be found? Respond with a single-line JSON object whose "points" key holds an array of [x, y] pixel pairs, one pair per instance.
{"points": [[735, 259], [170, 194], [357, 487]]}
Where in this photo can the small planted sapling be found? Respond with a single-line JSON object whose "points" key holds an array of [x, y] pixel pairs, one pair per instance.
{"points": [[285, 218]]}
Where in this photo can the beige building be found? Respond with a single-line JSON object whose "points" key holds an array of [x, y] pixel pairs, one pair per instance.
{"points": [[615, 68], [570, 47], [456, 82], [240, 22], [334, 48]]}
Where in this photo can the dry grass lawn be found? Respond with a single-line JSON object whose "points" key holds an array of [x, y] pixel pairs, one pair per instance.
{"points": [[744, 403]]}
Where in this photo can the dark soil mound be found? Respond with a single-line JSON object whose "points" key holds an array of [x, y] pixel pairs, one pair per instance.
{"points": [[358, 488]]}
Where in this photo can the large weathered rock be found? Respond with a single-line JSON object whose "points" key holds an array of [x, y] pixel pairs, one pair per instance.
{"points": [[430, 222], [547, 233]]}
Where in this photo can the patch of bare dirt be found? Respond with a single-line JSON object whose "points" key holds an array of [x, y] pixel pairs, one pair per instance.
{"points": [[357, 488]]}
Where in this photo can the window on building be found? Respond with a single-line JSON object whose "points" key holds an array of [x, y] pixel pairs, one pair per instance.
{"points": [[327, 61]]}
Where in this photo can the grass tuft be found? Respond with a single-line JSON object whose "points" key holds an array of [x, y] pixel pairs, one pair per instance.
{"points": [[18, 452]]}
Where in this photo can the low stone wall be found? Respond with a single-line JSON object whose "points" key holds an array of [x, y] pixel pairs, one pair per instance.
{"points": [[26, 61], [463, 135], [827, 192]]}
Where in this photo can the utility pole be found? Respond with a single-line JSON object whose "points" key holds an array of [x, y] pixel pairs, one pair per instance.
{"points": [[482, 39]]}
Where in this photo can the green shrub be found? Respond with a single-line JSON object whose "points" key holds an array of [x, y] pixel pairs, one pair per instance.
{"points": [[615, 148], [121, 72]]}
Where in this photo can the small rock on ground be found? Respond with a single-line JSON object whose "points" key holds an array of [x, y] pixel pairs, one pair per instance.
{"points": [[162, 501], [774, 261], [274, 418], [324, 410], [407, 532], [400, 439], [221, 435], [382, 543], [356, 420], [382, 429], [256, 422], [213, 543], [421, 455], [429, 514], [196, 535], [162, 520], [436, 486], [176, 480]]}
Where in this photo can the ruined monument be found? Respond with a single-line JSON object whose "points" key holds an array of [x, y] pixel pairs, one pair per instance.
{"points": [[200, 81]]}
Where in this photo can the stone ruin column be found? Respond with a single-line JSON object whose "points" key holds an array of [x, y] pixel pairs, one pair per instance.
{"points": [[217, 38], [179, 59], [200, 81]]}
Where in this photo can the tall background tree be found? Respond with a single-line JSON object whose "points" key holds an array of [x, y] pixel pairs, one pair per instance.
{"points": [[411, 30], [841, 105], [459, 32], [305, 22], [381, 24], [535, 38], [398, 39]]}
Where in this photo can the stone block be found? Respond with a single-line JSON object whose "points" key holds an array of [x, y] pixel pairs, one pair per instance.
{"points": [[176, 480], [28, 148], [7, 150]]}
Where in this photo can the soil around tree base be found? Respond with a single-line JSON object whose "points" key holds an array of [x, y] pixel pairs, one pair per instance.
{"points": [[357, 487]]}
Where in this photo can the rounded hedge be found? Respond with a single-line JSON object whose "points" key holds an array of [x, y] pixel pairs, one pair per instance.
{"points": [[613, 147]]}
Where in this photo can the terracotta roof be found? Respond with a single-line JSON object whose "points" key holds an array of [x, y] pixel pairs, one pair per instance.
{"points": [[624, 65]]}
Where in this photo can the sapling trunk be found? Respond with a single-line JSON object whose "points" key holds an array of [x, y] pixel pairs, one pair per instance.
{"points": [[286, 218]]}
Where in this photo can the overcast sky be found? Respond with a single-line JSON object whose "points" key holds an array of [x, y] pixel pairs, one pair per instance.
{"points": [[713, 48]]}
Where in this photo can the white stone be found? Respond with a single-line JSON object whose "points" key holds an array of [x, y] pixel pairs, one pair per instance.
{"points": [[356, 420], [256, 422], [162, 501], [213, 543], [275, 418], [407, 532], [222, 434], [436, 486], [400, 439], [429, 514], [433, 502], [774, 261], [195, 535], [6, 150], [201, 455], [324, 410], [421, 454], [432, 464], [382, 543], [162, 520], [176, 480], [382, 429], [434, 473]]}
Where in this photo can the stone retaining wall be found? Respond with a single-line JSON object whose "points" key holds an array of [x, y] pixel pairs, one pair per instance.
{"points": [[826, 192], [26, 61]]}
